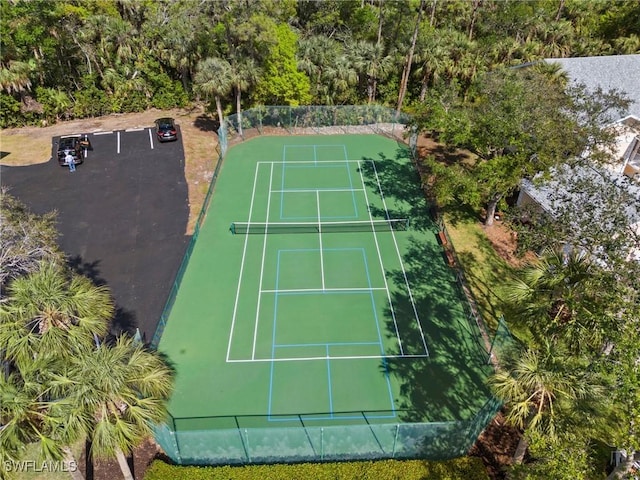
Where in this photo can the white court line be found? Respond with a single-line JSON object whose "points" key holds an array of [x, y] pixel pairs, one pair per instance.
{"points": [[404, 273], [151, 139], [103, 133], [320, 236], [264, 252], [291, 145], [323, 357], [293, 162], [118, 142], [326, 290], [316, 189], [244, 253], [375, 237]]}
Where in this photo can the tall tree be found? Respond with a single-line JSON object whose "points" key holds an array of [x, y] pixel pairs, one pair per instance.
{"points": [[213, 79], [281, 83], [26, 239], [518, 123], [406, 72], [117, 393], [560, 296], [543, 389], [51, 313], [371, 61]]}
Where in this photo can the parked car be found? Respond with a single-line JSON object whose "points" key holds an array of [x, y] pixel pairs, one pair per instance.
{"points": [[70, 149], [166, 129]]}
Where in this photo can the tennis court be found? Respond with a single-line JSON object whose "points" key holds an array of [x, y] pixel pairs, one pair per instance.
{"points": [[317, 294]]}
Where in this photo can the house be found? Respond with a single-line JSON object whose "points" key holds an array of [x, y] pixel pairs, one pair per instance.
{"points": [[621, 73]]}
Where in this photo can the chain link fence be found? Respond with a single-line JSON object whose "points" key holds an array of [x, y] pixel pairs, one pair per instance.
{"points": [[243, 440], [240, 440]]}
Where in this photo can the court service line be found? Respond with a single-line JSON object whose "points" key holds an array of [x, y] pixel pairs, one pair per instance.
{"points": [[264, 251], [319, 236], [353, 195], [294, 162], [384, 276], [375, 315], [323, 358], [244, 254], [310, 190], [327, 290], [404, 273]]}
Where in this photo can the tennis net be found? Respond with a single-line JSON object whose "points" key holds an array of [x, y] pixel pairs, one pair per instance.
{"points": [[240, 228]]}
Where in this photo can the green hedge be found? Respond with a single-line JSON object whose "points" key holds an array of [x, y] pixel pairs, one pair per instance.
{"points": [[466, 468]]}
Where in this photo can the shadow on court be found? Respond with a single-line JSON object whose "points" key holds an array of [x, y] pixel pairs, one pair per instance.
{"points": [[450, 383], [400, 182]]}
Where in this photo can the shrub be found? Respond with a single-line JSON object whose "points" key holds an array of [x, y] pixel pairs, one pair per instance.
{"points": [[9, 111], [466, 468]]}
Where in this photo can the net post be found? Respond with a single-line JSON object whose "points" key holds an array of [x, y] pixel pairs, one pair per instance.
{"points": [[232, 228]]}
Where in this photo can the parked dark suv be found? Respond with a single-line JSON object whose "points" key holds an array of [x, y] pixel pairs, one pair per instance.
{"points": [[166, 129], [70, 148]]}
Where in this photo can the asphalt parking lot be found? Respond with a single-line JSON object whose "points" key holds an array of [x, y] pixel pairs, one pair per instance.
{"points": [[122, 216]]}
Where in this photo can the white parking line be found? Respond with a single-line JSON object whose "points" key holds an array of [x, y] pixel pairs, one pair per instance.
{"points": [[118, 142], [151, 139], [139, 129], [103, 133]]}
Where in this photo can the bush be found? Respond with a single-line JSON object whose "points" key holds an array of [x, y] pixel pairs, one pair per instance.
{"points": [[466, 468], [90, 101], [9, 111]]}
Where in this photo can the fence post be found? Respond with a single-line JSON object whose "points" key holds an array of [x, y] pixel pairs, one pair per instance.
{"points": [[246, 434], [395, 440]]}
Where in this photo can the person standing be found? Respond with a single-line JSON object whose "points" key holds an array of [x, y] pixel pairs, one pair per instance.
{"points": [[69, 160]]}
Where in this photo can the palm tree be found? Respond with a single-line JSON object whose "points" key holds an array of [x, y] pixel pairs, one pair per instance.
{"points": [[28, 414], [543, 389], [52, 313], [117, 393], [558, 296], [244, 73], [431, 56], [213, 79], [316, 54], [370, 60], [15, 77]]}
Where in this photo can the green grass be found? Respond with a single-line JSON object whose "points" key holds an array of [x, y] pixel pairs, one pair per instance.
{"points": [[45, 473], [486, 272]]}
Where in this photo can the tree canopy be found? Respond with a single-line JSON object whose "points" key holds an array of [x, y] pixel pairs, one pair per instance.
{"points": [[75, 59]]}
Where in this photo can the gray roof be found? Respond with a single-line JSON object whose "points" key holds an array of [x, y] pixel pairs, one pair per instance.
{"points": [[565, 186], [621, 72]]}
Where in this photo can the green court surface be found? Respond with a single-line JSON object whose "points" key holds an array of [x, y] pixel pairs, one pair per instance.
{"points": [[301, 302]]}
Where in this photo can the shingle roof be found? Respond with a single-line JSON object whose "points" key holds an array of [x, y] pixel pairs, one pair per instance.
{"points": [[621, 72]]}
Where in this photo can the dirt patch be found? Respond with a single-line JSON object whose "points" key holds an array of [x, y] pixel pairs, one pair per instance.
{"points": [[505, 243], [32, 145], [103, 469], [495, 446]]}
